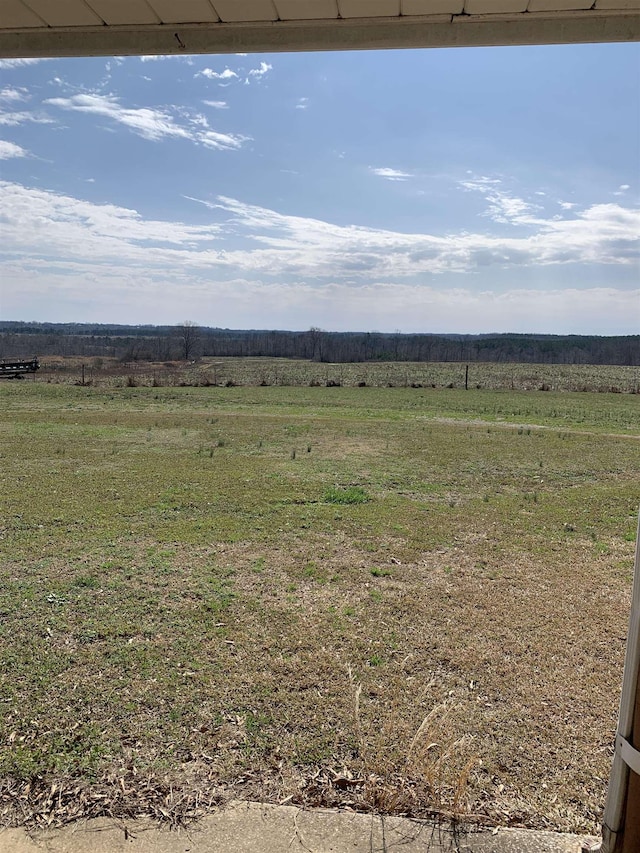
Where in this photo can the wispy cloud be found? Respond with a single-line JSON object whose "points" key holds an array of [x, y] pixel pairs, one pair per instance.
{"points": [[9, 150], [187, 58], [210, 74], [567, 205], [106, 232], [502, 206], [390, 174], [228, 75], [311, 262], [12, 95], [221, 141], [601, 234], [622, 189], [262, 69], [17, 63], [13, 118], [268, 243], [151, 122], [217, 105], [302, 104]]}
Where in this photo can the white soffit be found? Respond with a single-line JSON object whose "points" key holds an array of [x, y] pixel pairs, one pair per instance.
{"points": [[369, 8], [121, 12], [16, 14], [558, 5], [618, 4], [307, 10], [108, 27], [185, 12], [245, 10], [65, 13], [431, 7], [492, 7]]}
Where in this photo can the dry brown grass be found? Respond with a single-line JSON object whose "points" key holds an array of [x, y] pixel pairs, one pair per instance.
{"points": [[180, 627], [111, 372], [484, 694]]}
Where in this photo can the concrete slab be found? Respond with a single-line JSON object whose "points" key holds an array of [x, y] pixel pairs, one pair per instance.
{"points": [[261, 828]]}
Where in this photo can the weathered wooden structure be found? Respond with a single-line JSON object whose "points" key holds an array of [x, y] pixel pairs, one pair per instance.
{"points": [[16, 369]]}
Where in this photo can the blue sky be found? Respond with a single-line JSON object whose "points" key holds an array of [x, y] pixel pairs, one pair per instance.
{"points": [[466, 190]]}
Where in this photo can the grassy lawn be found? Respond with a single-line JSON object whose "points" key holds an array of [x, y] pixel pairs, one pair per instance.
{"points": [[405, 599]]}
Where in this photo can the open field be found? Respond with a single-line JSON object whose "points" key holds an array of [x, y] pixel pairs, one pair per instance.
{"points": [[110, 372], [404, 599]]}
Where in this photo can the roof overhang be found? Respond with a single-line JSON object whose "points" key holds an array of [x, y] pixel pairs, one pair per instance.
{"points": [[46, 28]]}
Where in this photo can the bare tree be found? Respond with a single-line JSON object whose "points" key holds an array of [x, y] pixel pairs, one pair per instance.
{"points": [[189, 337], [316, 338]]}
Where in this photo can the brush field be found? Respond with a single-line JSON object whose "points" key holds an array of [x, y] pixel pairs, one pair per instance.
{"points": [[115, 373]]}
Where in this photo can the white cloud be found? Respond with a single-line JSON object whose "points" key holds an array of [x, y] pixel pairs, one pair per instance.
{"points": [[17, 63], [226, 77], [263, 69], [302, 104], [217, 105], [221, 141], [507, 208], [567, 205], [364, 270], [391, 174], [241, 302], [265, 242], [73, 230], [502, 207], [11, 94], [150, 123], [622, 189], [9, 150], [601, 234], [187, 58], [210, 74], [12, 119]]}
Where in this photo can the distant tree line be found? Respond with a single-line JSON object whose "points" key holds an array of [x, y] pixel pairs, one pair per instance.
{"points": [[188, 341]]}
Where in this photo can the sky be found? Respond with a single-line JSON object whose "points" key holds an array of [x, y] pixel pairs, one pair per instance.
{"points": [[464, 190]]}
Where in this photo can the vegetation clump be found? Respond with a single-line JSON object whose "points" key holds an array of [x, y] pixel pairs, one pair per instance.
{"points": [[350, 495]]}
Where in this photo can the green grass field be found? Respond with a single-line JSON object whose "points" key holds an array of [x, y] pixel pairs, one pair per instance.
{"points": [[400, 599]]}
